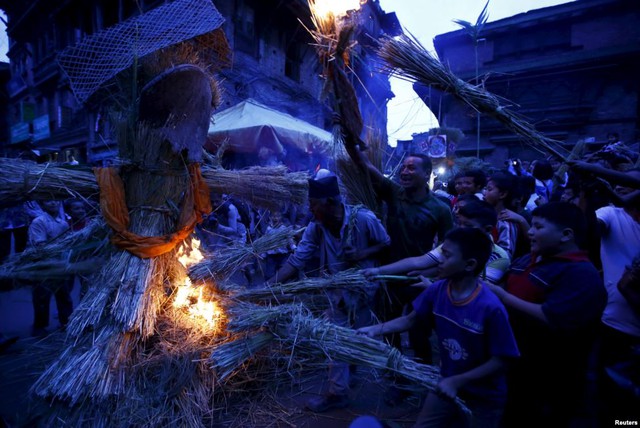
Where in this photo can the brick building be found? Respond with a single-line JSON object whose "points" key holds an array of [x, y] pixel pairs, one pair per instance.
{"points": [[272, 63], [571, 69]]}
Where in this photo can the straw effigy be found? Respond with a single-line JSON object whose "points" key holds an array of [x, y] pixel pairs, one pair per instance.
{"points": [[125, 333], [406, 58], [221, 264]]}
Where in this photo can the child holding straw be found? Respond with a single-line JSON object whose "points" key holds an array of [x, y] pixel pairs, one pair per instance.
{"points": [[473, 331]]}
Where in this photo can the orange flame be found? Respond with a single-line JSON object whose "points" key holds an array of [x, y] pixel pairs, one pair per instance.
{"points": [[201, 309]]}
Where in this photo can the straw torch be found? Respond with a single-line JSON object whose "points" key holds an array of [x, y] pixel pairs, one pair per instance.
{"points": [[335, 24]]}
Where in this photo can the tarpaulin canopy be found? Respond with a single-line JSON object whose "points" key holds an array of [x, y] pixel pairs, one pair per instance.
{"points": [[249, 126]]}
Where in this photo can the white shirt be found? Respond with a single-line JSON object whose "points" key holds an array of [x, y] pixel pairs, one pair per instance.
{"points": [[620, 244]]}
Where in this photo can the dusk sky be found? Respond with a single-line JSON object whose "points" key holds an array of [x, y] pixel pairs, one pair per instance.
{"points": [[425, 19]]}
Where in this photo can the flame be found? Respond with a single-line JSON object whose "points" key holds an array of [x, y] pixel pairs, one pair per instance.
{"points": [[190, 255], [201, 308], [336, 8]]}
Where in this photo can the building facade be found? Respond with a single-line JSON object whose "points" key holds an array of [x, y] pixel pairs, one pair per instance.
{"points": [[569, 69], [273, 63]]}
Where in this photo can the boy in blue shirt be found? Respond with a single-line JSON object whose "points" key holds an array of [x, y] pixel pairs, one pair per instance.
{"points": [[473, 333]]}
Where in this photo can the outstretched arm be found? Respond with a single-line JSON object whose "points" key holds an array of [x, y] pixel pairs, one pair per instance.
{"points": [[409, 264], [396, 325], [510, 301]]}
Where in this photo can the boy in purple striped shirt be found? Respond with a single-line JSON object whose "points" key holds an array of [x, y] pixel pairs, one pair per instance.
{"points": [[473, 331]]}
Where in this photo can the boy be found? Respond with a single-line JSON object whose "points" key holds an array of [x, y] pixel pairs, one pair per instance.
{"points": [[470, 182], [473, 332], [555, 298]]}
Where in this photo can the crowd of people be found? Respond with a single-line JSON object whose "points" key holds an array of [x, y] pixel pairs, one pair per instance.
{"points": [[527, 278]]}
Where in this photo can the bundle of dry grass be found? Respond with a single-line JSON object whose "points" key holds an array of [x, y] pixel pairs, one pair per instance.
{"points": [[407, 58], [349, 280], [74, 253], [23, 180], [358, 184], [226, 359], [221, 264], [300, 333], [577, 153], [334, 37], [267, 187]]}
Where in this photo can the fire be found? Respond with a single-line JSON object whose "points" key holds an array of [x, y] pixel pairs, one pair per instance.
{"points": [[336, 8], [195, 301]]}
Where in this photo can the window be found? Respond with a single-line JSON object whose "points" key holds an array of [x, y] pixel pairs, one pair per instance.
{"points": [[245, 39], [292, 62]]}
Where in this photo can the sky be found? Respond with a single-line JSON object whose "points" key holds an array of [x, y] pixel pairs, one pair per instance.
{"points": [[425, 19], [4, 44]]}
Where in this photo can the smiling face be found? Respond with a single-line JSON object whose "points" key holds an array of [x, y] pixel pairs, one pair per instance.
{"points": [[413, 174], [465, 186], [547, 238]]}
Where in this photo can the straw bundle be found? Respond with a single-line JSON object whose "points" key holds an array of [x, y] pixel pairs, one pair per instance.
{"points": [[350, 280], [23, 180], [74, 253], [407, 58], [334, 40], [358, 184], [577, 153], [267, 187], [299, 332], [225, 262], [227, 358]]}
